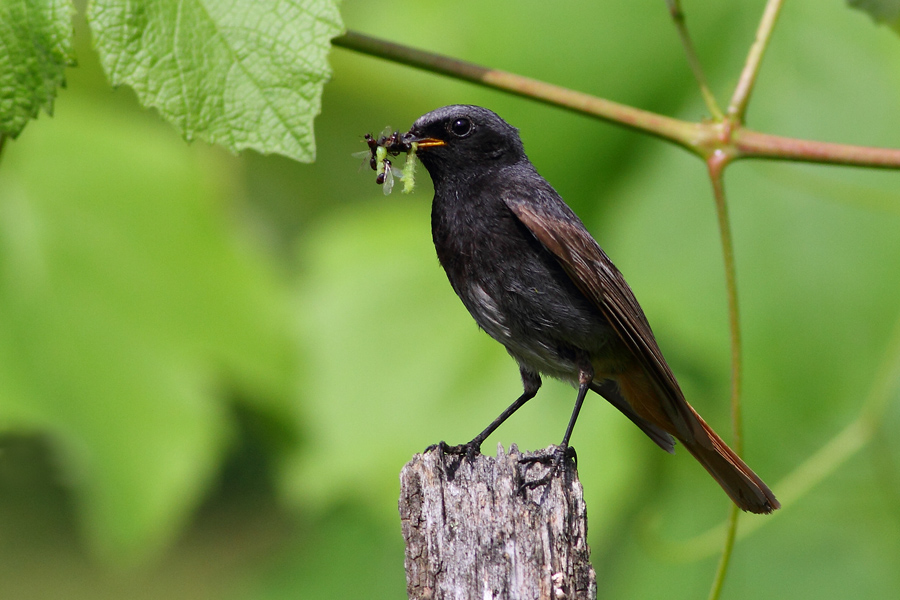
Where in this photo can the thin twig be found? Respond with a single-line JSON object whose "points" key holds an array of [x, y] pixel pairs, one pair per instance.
{"points": [[693, 60], [725, 560], [716, 165], [738, 107], [753, 144]]}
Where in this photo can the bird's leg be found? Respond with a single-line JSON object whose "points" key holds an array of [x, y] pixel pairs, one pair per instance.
{"points": [[531, 383], [563, 452]]}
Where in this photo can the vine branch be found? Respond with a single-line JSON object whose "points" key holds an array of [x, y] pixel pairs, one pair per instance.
{"points": [[702, 139], [693, 60], [753, 144], [716, 165], [682, 133], [738, 107]]}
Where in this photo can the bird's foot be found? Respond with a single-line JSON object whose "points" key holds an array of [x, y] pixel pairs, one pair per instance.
{"points": [[465, 452], [556, 460], [469, 450]]}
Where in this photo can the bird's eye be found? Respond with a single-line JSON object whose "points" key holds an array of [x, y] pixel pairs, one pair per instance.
{"points": [[460, 127]]}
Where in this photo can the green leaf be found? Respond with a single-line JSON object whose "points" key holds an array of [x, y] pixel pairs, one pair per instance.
{"points": [[35, 48], [882, 11], [130, 309], [240, 74]]}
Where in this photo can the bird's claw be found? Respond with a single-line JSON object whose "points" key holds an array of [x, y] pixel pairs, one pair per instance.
{"points": [[556, 460], [469, 450]]}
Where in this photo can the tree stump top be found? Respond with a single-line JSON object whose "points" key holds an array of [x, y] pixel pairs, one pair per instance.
{"points": [[473, 532]]}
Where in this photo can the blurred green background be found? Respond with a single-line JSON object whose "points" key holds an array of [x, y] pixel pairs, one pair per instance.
{"points": [[213, 367]]}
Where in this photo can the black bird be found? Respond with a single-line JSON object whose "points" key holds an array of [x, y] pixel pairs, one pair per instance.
{"points": [[536, 281]]}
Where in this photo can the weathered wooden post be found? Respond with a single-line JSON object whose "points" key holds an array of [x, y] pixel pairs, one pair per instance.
{"points": [[473, 533]]}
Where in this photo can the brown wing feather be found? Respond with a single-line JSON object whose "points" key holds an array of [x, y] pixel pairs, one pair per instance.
{"points": [[598, 279]]}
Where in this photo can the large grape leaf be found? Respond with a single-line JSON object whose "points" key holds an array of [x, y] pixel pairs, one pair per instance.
{"points": [[241, 74], [35, 48]]}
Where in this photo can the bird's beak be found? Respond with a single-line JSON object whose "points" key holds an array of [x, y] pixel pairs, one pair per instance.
{"points": [[424, 142], [430, 143]]}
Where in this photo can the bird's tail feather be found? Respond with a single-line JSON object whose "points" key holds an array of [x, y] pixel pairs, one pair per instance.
{"points": [[744, 487], [671, 413]]}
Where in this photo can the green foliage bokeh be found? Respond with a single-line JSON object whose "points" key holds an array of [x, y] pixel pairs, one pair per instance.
{"points": [[212, 367]]}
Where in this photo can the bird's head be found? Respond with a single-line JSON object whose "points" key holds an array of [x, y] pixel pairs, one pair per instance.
{"points": [[459, 139]]}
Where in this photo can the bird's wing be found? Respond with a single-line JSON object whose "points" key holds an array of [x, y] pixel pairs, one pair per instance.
{"points": [[598, 279]]}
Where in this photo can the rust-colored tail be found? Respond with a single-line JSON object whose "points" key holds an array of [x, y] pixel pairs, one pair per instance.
{"points": [[669, 411], [743, 486]]}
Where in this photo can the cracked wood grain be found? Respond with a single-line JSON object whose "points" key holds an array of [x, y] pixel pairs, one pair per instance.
{"points": [[472, 532]]}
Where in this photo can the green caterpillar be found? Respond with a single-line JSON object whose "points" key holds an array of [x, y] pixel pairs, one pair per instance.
{"points": [[377, 156]]}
